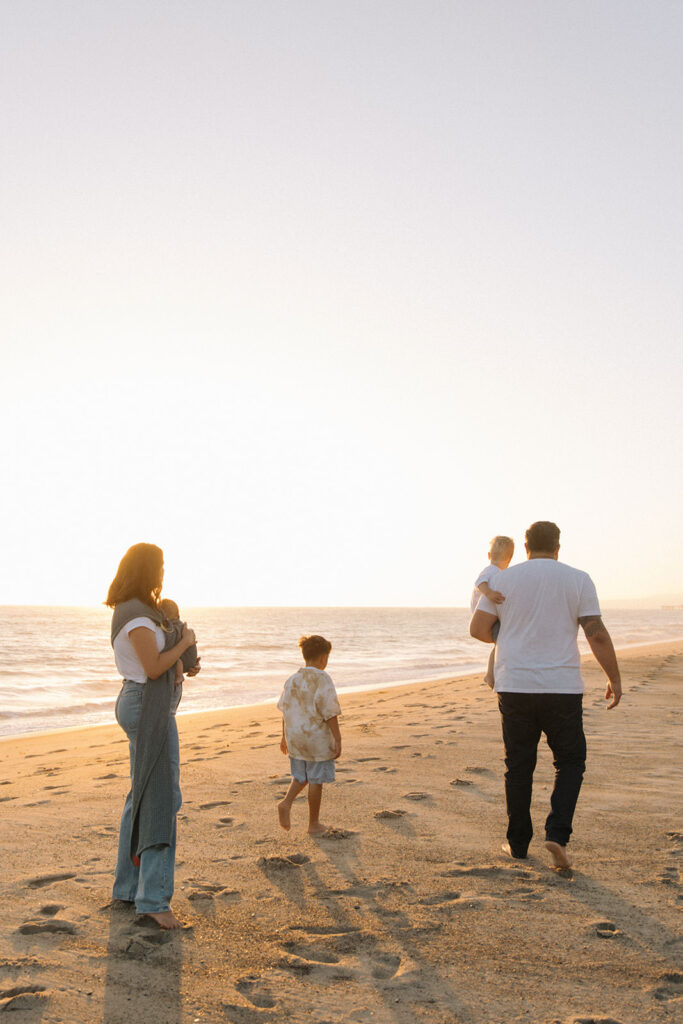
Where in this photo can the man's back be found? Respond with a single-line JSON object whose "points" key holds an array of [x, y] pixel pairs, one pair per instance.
{"points": [[537, 650]]}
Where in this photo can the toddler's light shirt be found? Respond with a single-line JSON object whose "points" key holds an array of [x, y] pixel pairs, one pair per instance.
{"points": [[487, 575]]}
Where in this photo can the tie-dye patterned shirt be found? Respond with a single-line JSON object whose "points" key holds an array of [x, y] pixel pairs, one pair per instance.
{"points": [[308, 700]]}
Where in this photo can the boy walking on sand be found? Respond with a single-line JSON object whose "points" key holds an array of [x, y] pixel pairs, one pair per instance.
{"points": [[500, 556], [310, 731]]}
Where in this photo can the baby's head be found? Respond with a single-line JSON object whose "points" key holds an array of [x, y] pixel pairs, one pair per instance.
{"points": [[169, 608], [502, 550], [316, 650]]}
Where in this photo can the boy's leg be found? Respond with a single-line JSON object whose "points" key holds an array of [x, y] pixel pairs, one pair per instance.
{"points": [[315, 793], [285, 806], [489, 677]]}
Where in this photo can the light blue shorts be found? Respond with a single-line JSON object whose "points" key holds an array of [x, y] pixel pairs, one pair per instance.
{"points": [[312, 771]]}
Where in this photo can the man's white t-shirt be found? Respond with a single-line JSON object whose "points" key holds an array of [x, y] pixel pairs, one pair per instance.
{"points": [[127, 661], [537, 649], [487, 575]]}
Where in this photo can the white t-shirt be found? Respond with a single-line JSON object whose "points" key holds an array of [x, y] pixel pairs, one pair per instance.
{"points": [[308, 700], [537, 650], [127, 661], [487, 575]]}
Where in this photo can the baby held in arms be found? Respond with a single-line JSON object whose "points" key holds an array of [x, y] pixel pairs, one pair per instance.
{"points": [[310, 731], [500, 555], [174, 625]]}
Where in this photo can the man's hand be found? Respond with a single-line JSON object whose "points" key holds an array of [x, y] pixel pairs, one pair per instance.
{"points": [[602, 647], [496, 596], [614, 691], [195, 668]]}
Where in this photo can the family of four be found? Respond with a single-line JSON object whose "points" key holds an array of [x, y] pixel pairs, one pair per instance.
{"points": [[530, 612]]}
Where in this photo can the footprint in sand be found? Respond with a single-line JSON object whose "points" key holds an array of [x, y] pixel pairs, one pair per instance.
{"points": [[439, 899], [671, 989], [384, 768], [605, 929], [253, 989], [50, 909], [389, 815], [329, 952], [336, 833], [593, 1020], [416, 796], [38, 927], [311, 953], [475, 770], [225, 822], [485, 871], [276, 863], [215, 803], [42, 880], [461, 782], [24, 997]]}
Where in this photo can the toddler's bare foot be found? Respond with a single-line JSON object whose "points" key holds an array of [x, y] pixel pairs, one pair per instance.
{"points": [[561, 858], [317, 828], [166, 920], [283, 810]]}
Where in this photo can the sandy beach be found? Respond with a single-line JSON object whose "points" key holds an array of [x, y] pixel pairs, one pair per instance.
{"points": [[408, 912]]}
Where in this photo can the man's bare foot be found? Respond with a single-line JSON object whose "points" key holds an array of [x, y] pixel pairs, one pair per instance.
{"points": [[561, 858], [166, 920], [317, 829], [283, 810], [507, 850]]}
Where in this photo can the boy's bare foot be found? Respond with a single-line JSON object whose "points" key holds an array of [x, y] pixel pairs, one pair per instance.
{"points": [[283, 810], [166, 920], [561, 858], [317, 829]]}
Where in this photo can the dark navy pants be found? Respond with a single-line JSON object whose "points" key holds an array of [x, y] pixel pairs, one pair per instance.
{"points": [[525, 716]]}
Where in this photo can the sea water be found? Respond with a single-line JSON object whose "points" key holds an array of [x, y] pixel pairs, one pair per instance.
{"points": [[57, 668]]}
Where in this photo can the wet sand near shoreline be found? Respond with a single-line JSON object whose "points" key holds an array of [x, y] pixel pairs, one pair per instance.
{"points": [[407, 912]]}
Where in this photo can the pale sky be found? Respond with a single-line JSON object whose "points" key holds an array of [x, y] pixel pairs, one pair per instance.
{"points": [[319, 296]]}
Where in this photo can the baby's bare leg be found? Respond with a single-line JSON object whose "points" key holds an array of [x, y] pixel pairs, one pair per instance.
{"points": [[285, 806], [489, 677], [315, 793]]}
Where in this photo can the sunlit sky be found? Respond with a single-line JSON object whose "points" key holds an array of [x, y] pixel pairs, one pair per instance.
{"points": [[319, 296]]}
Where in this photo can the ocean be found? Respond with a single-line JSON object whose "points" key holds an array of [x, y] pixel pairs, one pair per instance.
{"points": [[57, 668]]}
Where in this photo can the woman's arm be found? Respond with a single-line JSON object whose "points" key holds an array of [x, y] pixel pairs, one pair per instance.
{"points": [[154, 662]]}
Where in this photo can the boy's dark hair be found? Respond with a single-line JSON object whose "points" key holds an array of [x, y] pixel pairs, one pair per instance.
{"points": [[313, 646], [543, 536]]}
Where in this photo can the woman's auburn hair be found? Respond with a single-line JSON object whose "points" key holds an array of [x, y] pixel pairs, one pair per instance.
{"points": [[139, 575]]}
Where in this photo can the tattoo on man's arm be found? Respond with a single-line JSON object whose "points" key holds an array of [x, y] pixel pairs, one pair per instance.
{"points": [[592, 625]]}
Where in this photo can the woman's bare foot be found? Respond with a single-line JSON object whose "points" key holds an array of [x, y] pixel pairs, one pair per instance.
{"points": [[561, 858], [317, 828], [283, 810], [166, 920]]}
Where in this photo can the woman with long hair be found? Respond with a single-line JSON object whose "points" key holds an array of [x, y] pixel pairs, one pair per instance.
{"points": [[145, 710]]}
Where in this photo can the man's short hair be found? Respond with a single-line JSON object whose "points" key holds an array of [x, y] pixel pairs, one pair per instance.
{"points": [[500, 546], [313, 646], [543, 536]]}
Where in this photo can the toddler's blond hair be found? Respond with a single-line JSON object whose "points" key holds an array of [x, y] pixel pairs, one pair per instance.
{"points": [[501, 546]]}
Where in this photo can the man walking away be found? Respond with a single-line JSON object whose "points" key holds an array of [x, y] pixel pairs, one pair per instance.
{"points": [[539, 683]]}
